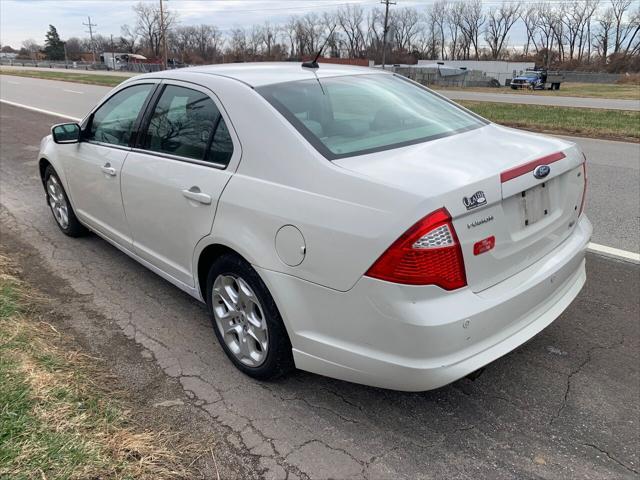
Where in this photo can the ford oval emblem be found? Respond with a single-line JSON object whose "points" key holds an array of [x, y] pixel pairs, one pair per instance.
{"points": [[542, 171]]}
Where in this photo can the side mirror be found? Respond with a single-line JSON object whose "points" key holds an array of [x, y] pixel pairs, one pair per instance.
{"points": [[66, 133]]}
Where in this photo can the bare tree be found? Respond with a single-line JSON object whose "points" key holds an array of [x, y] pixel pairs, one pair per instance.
{"points": [[437, 16], [350, 18], [149, 27], [128, 39], [406, 22], [584, 39], [531, 19], [473, 18], [603, 35], [268, 37], [334, 41], [31, 47], [457, 42], [500, 22], [546, 30], [633, 45], [375, 32], [619, 9], [238, 43]]}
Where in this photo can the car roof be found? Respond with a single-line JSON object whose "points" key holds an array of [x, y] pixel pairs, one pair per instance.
{"points": [[266, 73]]}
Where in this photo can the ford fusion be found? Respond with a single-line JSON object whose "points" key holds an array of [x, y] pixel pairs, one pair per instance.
{"points": [[340, 220]]}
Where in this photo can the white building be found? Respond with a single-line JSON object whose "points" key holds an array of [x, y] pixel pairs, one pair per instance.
{"points": [[499, 70]]}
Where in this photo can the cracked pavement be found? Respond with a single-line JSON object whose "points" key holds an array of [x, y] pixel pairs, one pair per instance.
{"points": [[565, 405]]}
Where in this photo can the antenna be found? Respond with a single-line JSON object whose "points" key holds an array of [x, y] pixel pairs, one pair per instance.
{"points": [[314, 62]]}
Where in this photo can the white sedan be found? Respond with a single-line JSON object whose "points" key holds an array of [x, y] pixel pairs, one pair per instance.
{"points": [[345, 221]]}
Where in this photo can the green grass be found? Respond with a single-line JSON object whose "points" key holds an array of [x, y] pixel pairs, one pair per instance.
{"points": [[87, 78], [57, 420], [568, 89], [595, 123]]}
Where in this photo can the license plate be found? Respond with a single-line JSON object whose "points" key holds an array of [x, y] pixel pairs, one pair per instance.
{"points": [[535, 204]]}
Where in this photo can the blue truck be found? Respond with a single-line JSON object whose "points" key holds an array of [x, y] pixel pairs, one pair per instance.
{"points": [[537, 79]]}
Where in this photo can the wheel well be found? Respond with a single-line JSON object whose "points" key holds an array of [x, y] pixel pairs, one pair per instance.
{"points": [[42, 165], [207, 257]]}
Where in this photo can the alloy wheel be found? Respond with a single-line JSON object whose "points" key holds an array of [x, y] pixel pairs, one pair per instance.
{"points": [[58, 202], [240, 319]]}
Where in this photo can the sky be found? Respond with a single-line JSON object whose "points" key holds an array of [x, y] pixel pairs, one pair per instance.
{"points": [[24, 19]]}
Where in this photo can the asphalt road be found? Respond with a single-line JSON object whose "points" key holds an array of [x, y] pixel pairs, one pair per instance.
{"points": [[558, 101], [565, 405], [614, 193], [555, 101]]}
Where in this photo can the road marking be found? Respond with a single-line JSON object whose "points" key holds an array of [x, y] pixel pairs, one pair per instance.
{"points": [[13, 83], [614, 252], [73, 91], [40, 110]]}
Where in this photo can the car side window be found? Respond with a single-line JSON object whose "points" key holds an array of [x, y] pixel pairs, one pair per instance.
{"points": [[113, 121], [187, 123]]}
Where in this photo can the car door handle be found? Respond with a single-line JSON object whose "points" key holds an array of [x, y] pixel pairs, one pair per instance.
{"points": [[196, 195], [108, 169]]}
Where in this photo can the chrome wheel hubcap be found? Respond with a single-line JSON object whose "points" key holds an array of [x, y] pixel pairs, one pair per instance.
{"points": [[58, 202], [240, 319]]}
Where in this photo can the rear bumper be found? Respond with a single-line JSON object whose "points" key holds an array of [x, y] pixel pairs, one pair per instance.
{"points": [[420, 338]]}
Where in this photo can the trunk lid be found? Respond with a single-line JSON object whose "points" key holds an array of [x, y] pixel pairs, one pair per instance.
{"points": [[485, 179]]}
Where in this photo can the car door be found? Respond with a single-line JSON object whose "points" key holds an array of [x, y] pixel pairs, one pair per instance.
{"points": [[174, 177], [96, 162]]}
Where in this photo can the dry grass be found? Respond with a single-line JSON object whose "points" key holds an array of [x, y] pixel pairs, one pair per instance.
{"points": [[594, 123], [73, 76], [57, 417]]}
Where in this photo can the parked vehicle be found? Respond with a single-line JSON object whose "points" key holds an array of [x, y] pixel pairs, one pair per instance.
{"points": [[538, 79], [342, 220]]}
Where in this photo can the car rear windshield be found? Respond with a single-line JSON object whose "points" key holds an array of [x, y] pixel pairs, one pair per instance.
{"points": [[353, 115]]}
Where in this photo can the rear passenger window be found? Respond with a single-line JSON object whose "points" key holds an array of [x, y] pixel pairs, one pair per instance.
{"points": [[187, 123]]}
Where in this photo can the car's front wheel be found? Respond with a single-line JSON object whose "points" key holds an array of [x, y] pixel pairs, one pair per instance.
{"points": [[246, 320], [60, 206]]}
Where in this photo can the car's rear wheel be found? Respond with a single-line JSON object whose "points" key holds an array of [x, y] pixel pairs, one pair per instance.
{"points": [[60, 206], [246, 320]]}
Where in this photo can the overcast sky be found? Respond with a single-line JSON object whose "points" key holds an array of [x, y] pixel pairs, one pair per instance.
{"points": [[23, 19]]}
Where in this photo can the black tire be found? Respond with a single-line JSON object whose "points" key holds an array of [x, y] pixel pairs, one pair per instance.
{"points": [[279, 359], [74, 227]]}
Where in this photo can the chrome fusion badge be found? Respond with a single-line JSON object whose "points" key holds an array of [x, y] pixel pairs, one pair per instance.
{"points": [[476, 200]]}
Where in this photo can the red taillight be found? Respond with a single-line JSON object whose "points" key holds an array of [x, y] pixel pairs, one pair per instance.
{"points": [[584, 192], [426, 254]]}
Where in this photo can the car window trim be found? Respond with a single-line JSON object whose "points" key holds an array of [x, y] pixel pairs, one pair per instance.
{"points": [[153, 153], [89, 120], [138, 147]]}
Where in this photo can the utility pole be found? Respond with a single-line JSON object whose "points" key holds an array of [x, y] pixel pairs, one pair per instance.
{"points": [[386, 28], [90, 32], [164, 37]]}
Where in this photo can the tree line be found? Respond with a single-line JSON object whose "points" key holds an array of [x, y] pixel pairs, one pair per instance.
{"points": [[590, 34]]}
